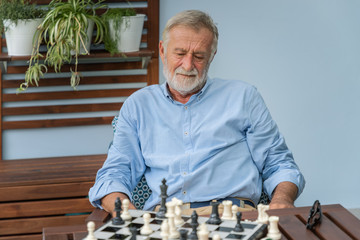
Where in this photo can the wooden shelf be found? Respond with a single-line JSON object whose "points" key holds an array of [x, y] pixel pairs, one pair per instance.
{"points": [[93, 54]]}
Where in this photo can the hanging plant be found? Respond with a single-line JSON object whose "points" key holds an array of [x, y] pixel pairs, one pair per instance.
{"points": [[64, 31]]}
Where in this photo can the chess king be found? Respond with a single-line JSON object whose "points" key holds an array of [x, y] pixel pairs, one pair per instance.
{"points": [[210, 138]]}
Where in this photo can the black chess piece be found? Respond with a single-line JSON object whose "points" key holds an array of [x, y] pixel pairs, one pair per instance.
{"points": [[162, 210], [194, 224], [118, 220], [133, 231], [238, 226], [183, 234], [214, 217]]}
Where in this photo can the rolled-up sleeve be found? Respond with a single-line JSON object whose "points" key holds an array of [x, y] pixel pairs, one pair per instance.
{"points": [[124, 165], [269, 151]]}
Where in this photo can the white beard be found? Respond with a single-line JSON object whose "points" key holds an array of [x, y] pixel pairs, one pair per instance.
{"points": [[185, 84]]}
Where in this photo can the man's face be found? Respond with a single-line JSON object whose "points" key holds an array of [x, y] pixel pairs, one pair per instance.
{"points": [[186, 58]]}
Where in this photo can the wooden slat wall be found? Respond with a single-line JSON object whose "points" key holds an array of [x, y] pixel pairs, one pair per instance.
{"points": [[97, 62], [38, 193]]}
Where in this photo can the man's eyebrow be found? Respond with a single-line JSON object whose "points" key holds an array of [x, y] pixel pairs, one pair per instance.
{"points": [[179, 50], [184, 50]]}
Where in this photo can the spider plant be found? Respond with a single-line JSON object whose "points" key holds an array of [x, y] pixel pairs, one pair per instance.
{"points": [[64, 31]]}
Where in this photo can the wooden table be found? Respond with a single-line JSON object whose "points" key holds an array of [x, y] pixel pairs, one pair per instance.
{"points": [[337, 223]]}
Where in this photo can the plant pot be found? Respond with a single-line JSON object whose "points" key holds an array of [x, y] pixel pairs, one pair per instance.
{"points": [[129, 33], [19, 37]]}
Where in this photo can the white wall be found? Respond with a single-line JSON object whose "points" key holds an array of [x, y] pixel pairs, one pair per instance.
{"points": [[304, 57]]}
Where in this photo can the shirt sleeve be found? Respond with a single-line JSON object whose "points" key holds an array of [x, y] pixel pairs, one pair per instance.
{"points": [[124, 165], [269, 151]]}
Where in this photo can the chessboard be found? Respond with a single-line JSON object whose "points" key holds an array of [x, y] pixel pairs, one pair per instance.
{"points": [[223, 230]]}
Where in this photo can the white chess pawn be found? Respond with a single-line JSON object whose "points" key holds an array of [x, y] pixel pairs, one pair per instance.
{"points": [[227, 214], [125, 214], [216, 237], [234, 210], [273, 231], [263, 217], [146, 229], [164, 230], [203, 233], [91, 229]]}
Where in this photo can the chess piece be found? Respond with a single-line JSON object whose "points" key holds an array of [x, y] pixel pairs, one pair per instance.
{"points": [[173, 233], [162, 210], [227, 210], [133, 231], [263, 217], [238, 226], [194, 224], [216, 237], [146, 229], [214, 217], [125, 214], [118, 220], [203, 234], [178, 218], [183, 234], [234, 210], [165, 230], [273, 231], [91, 229]]}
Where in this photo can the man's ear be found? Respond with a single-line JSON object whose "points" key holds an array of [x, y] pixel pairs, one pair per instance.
{"points": [[212, 58], [162, 50]]}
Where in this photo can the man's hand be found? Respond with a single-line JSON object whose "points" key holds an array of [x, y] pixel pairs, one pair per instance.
{"points": [[284, 195], [108, 202]]}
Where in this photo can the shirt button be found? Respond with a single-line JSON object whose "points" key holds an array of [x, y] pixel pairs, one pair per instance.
{"points": [[184, 173], [186, 133], [184, 192], [186, 107]]}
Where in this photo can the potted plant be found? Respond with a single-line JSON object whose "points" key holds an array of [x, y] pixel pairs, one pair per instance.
{"points": [[124, 30], [64, 30], [19, 20]]}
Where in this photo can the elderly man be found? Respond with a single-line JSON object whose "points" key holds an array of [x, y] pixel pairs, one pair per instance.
{"points": [[209, 138]]}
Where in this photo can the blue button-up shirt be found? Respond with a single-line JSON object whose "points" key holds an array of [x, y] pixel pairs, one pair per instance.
{"points": [[222, 142]]}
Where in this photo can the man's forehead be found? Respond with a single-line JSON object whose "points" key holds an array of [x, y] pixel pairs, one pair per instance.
{"points": [[186, 37], [183, 27]]}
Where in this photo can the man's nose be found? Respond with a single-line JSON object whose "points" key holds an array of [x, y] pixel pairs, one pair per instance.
{"points": [[188, 62]]}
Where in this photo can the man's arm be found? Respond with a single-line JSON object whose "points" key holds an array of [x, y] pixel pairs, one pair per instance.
{"points": [[108, 202], [284, 195]]}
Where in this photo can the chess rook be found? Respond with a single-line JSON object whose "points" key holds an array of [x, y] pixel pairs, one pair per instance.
{"points": [[214, 217], [273, 231], [227, 215]]}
